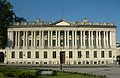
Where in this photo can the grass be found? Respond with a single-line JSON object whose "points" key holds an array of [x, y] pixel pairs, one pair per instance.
{"points": [[5, 72], [1, 75], [68, 75]]}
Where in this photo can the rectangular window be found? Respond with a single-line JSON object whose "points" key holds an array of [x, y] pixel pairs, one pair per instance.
{"points": [[20, 54], [79, 54], [102, 54], [46, 43], [95, 54], [54, 54], [37, 54], [37, 43], [28, 54], [70, 43], [110, 54], [29, 42], [70, 54], [87, 54], [53, 43], [45, 54], [13, 54]]}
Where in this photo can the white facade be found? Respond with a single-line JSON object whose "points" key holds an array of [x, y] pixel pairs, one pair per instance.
{"points": [[61, 42]]}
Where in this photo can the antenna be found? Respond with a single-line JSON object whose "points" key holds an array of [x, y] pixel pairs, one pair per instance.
{"points": [[62, 12]]}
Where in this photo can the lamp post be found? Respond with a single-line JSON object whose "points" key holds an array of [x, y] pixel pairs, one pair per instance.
{"points": [[60, 55]]}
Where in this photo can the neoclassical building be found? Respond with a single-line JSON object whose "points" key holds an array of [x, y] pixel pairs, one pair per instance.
{"points": [[61, 42]]}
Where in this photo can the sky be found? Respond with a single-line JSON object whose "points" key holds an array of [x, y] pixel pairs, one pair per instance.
{"points": [[70, 10]]}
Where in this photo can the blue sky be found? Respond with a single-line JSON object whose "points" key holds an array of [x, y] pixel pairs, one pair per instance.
{"points": [[73, 10]]}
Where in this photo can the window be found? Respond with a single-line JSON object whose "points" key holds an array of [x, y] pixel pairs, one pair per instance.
{"points": [[87, 54], [20, 54], [110, 54], [53, 42], [29, 33], [102, 54], [70, 54], [37, 54], [79, 54], [28, 54], [70, 43], [37, 33], [45, 54], [54, 54], [13, 54], [95, 54], [37, 43], [29, 42], [46, 43]]}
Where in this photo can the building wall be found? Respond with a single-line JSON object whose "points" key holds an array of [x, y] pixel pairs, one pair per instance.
{"points": [[106, 46]]}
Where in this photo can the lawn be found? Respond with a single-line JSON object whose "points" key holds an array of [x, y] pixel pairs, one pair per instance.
{"points": [[68, 75], [22, 73]]}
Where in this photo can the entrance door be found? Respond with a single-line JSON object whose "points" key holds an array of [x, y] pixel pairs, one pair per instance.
{"points": [[62, 57], [1, 57]]}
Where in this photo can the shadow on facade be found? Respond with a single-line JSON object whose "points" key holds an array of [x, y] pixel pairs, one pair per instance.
{"points": [[1, 57]]}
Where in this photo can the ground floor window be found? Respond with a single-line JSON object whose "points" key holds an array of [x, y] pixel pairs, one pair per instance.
{"points": [[12, 54], [45, 54]]}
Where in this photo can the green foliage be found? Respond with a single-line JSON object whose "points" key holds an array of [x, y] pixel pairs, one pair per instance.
{"points": [[27, 75], [6, 17]]}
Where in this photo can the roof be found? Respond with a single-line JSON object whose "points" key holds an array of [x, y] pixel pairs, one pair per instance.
{"points": [[63, 23]]}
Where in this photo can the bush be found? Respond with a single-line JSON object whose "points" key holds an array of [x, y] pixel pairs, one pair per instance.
{"points": [[27, 75], [9, 74]]}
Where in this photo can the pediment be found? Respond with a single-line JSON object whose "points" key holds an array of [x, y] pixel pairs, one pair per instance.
{"points": [[62, 22]]}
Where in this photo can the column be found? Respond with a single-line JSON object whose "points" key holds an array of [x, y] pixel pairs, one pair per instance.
{"points": [[56, 38], [65, 38], [89, 38], [40, 38], [96, 39], [104, 40], [92, 39], [75, 39], [51, 38], [15, 38], [84, 39], [34, 39], [114, 39], [68, 38], [107, 39], [81, 39], [110, 38], [99, 39], [59, 38], [18, 39], [48, 37], [72, 38], [26, 39]]}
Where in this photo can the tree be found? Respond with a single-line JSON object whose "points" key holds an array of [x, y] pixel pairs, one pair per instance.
{"points": [[6, 17]]}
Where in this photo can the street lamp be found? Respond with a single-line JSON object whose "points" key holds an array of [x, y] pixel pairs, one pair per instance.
{"points": [[60, 55]]}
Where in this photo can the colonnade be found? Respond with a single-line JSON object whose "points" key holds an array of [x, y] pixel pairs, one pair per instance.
{"points": [[66, 38]]}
